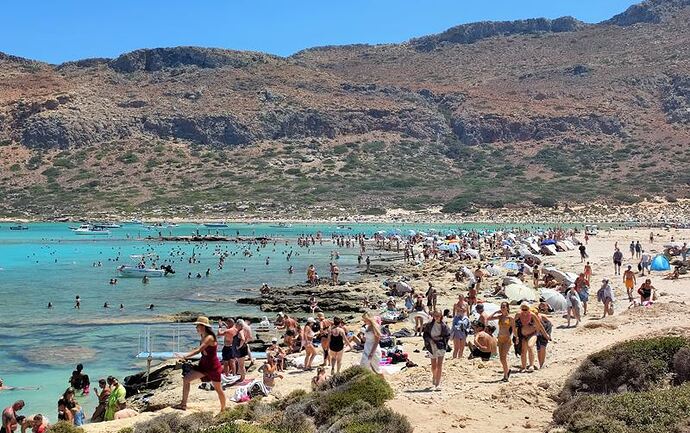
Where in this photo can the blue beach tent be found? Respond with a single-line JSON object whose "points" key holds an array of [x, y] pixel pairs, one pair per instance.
{"points": [[660, 263]]}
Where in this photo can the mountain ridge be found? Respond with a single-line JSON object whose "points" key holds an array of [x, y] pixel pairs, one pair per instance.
{"points": [[588, 114]]}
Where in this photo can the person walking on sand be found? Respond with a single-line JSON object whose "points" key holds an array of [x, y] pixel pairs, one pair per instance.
{"points": [[436, 335], [582, 289], [419, 313], [307, 337], [645, 262], [536, 276], [209, 367], [605, 295], [337, 338], [617, 261], [459, 330], [632, 249], [588, 273], [638, 249], [431, 297], [478, 275], [371, 355], [227, 330], [528, 326], [630, 282], [574, 306], [583, 253], [542, 341], [506, 326]]}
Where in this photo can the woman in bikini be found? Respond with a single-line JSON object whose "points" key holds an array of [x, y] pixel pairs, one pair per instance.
{"points": [[308, 343], [471, 297], [324, 327], [542, 342], [209, 367], [419, 318], [270, 371], [528, 325], [337, 338], [506, 326]]}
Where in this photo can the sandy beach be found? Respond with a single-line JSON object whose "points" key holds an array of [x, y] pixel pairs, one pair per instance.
{"points": [[473, 398]]}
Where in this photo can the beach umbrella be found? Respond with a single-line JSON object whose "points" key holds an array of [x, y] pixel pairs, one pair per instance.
{"points": [[494, 271], [472, 253], [507, 242], [511, 266], [570, 277], [548, 250], [673, 245], [489, 308], [548, 242], [411, 233], [511, 280], [660, 263], [555, 299], [556, 274], [520, 292]]}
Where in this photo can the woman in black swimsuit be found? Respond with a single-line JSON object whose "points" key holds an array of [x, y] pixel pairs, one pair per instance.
{"points": [[336, 344]]}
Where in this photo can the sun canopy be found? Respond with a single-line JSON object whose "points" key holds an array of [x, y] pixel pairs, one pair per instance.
{"points": [[520, 292], [660, 263]]}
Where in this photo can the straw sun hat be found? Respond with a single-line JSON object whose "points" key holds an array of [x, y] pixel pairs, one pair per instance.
{"points": [[202, 320]]}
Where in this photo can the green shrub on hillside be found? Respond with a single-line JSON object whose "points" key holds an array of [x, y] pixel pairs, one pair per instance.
{"points": [[373, 420], [637, 365], [176, 423], [658, 411]]}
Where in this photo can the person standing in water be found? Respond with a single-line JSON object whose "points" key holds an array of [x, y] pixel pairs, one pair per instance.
{"points": [[209, 367], [77, 302]]}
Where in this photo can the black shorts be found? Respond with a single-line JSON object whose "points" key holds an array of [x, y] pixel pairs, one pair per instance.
{"points": [[541, 342], [618, 262], [242, 352], [227, 353], [479, 354]]}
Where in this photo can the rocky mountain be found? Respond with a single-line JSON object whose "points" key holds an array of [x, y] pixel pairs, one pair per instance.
{"points": [[484, 114]]}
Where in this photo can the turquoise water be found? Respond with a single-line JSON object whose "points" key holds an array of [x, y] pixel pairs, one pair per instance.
{"points": [[39, 347]]}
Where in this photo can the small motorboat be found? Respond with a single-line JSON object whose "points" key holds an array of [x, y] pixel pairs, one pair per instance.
{"points": [[215, 225], [107, 226], [591, 230], [19, 227], [88, 229], [135, 271], [281, 226]]}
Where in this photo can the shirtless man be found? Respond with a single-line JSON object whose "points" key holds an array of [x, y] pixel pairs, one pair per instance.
{"points": [[630, 282], [478, 274], [483, 317], [484, 344], [9, 417], [228, 331]]}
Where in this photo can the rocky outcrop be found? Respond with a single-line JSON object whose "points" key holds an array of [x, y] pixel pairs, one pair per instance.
{"points": [[54, 130], [484, 129], [471, 33], [210, 130], [149, 60], [652, 11], [676, 100], [341, 299]]}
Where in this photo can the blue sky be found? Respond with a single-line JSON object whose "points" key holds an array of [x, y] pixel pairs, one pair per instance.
{"points": [[59, 30]]}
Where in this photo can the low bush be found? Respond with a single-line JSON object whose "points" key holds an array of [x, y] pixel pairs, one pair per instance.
{"points": [[238, 428], [374, 420], [637, 365], [126, 430], [64, 427], [341, 392], [681, 365], [176, 423], [658, 411]]}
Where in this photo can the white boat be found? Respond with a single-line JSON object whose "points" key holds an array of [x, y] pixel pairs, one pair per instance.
{"points": [[107, 226], [134, 221], [133, 271], [88, 229], [591, 230], [215, 225], [281, 226]]}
